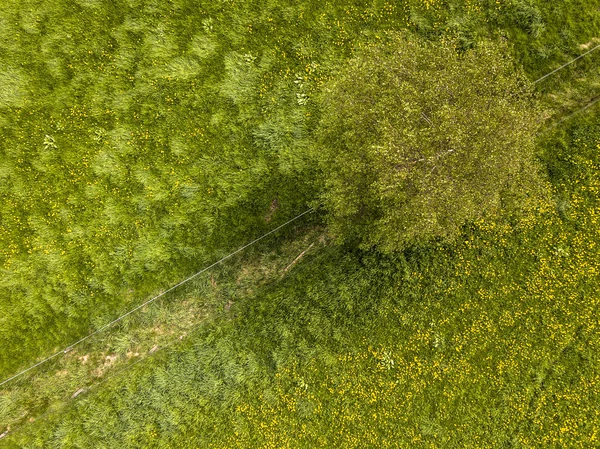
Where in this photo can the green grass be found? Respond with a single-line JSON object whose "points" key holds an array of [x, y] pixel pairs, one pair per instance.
{"points": [[491, 342], [157, 326], [141, 140]]}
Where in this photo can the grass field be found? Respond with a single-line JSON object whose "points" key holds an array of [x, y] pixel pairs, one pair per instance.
{"points": [[141, 140], [489, 343]]}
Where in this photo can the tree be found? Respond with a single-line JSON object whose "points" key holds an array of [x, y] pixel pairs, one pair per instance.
{"points": [[416, 139]]}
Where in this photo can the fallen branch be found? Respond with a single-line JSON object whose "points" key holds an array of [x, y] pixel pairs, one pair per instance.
{"points": [[298, 258]]}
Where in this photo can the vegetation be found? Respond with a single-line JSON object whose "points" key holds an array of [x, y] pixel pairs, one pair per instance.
{"points": [[473, 344], [142, 140], [167, 322], [417, 139]]}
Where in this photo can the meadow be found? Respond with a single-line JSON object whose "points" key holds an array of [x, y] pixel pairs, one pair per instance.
{"points": [[142, 140], [491, 342]]}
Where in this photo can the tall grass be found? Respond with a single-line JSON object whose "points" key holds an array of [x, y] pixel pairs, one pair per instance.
{"points": [[142, 139], [486, 343]]}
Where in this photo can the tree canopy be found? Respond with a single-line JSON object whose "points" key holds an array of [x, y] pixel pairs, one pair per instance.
{"points": [[417, 138]]}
